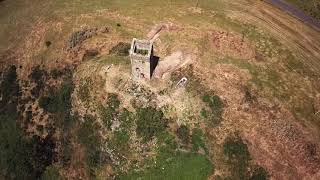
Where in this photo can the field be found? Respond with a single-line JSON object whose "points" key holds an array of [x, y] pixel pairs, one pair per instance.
{"points": [[249, 110]]}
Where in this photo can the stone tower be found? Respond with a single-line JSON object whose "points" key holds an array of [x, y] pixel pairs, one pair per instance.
{"points": [[141, 55]]}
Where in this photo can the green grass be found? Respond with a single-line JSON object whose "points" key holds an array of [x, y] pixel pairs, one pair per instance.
{"points": [[115, 60], [172, 164], [181, 166]]}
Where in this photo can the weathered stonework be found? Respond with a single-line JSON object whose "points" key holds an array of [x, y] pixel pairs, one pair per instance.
{"points": [[141, 55]]}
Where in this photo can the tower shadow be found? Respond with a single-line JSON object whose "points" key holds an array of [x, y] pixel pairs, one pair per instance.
{"points": [[154, 63]]}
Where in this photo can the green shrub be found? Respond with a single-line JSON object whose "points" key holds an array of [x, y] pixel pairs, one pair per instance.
{"points": [[150, 123], [9, 88], [111, 110], [51, 173], [66, 150], [235, 148], [14, 163], [183, 134], [126, 119], [259, 173], [121, 49], [89, 54], [84, 89], [215, 105], [48, 43], [88, 136], [238, 156], [58, 101], [119, 141], [22, 157], [197, 140], [37, 74], [168, 141]]}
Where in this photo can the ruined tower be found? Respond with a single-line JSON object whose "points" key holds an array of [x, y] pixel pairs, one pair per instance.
{"points": [[141, 55]]}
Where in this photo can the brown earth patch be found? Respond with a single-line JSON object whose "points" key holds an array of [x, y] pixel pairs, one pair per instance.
{"points": [[282, 145], [231, 44], [276, 140]]}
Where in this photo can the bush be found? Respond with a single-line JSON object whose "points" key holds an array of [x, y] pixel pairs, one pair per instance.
{"points": [[88, 136], [121, 49], [111, 110], [84, 89], [238, 156], [66, 149], [197, 140], [215, 105], [150, 123], [51, 173], [259, 173], [9, 89], [183, 134], [23, 157], [234, 148], [48, 43], [126, 119], [14, 163], [37, 74], [58, 101], [119, 141], [43, 153], [89, 54]]}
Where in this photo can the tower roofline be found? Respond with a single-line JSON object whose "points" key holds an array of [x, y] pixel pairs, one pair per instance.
{"points": [[140, 47]]}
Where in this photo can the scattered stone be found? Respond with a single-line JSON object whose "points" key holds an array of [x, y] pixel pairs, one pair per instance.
{"points": [[80, 36]]}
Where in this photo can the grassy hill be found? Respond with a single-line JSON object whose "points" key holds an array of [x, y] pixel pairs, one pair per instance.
{"points": [[69, 109]]}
